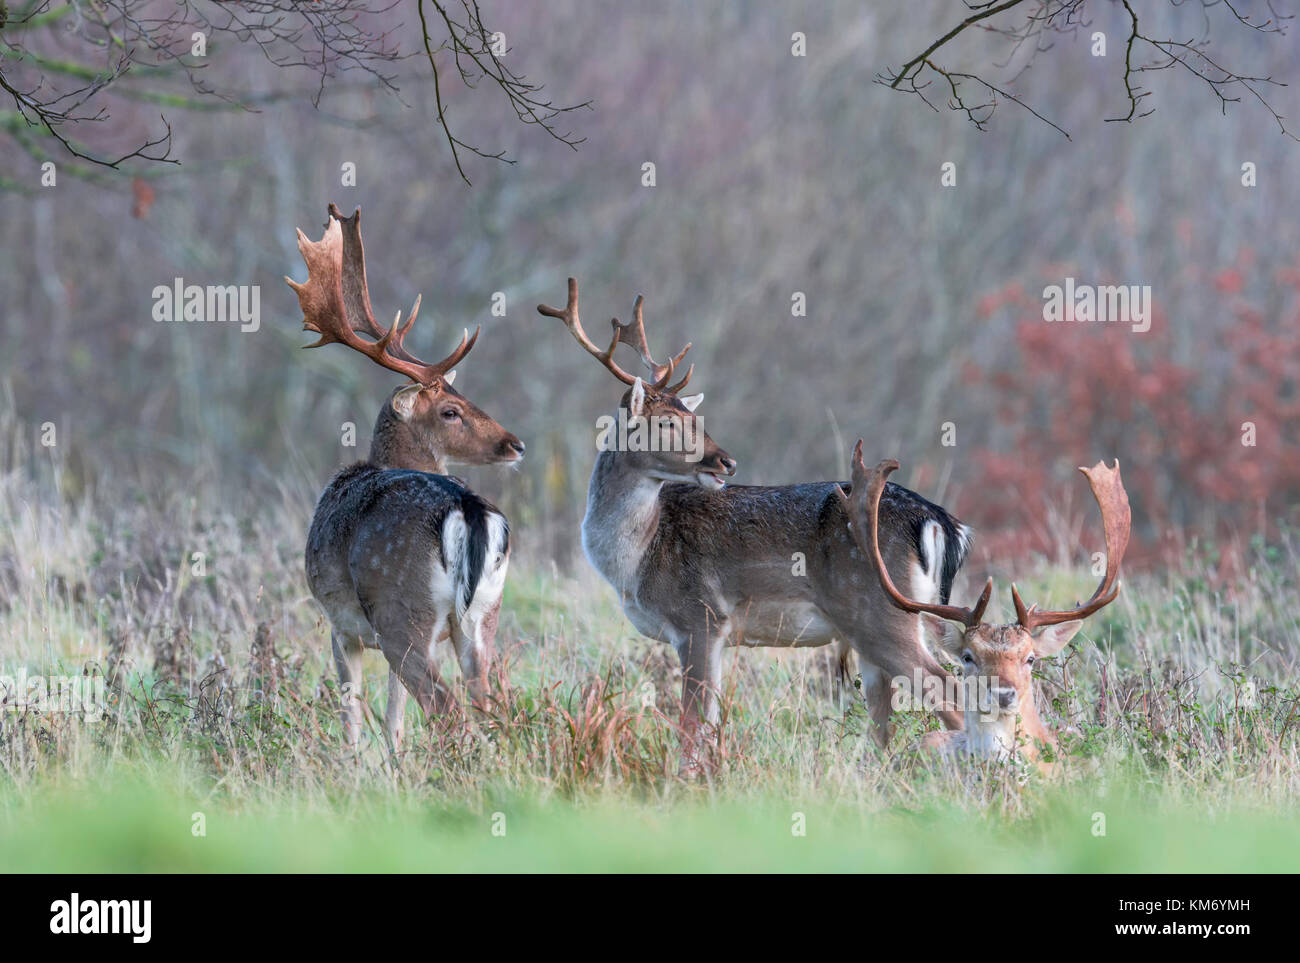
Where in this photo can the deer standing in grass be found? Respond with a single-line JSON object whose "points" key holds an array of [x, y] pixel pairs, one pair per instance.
{"points": [[701, 564], [999, 714], [400, 555]]}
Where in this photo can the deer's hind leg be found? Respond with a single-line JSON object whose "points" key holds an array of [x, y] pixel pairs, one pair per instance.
{"points": [[408, 648], [473, 642], [395, 712], [347, 659]]}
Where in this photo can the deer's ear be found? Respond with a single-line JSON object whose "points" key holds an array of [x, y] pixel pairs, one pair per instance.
{"points": [[404, 400], [1051, 639], [949, 637], [692, 401], [636, 404]]}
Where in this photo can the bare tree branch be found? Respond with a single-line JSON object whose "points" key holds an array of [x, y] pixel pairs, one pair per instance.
{"points": [[65, 66], [1039, 22], [471, 47]]}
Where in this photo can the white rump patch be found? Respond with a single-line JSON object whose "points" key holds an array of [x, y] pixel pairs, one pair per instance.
{"points": [[492, 580], [964, 536], [455, 549], [933, 544], [925, 587]]}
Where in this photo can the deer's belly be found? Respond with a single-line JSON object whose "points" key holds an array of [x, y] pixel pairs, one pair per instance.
{"points": [[787, 623]]}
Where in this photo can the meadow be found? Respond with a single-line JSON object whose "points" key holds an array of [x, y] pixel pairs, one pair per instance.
{"points": [[219, 746], [846, 261]]}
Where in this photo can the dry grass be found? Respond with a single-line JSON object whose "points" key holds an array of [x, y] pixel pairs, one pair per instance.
{"points": [[222, 692]]}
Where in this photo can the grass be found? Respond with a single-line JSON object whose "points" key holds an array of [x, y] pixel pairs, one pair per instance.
{"points": [[142, 828], [1181, 700]]}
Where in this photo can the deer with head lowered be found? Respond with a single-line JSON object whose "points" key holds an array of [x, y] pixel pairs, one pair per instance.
{"points": [[702, 564], [1000, 718], [400, 555]]}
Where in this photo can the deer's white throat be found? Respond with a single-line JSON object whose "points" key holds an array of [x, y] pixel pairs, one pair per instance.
{"points": [[622, 515]]}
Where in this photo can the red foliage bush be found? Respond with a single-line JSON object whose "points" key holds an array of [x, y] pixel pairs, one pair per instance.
{"points": [[1075, 392]]}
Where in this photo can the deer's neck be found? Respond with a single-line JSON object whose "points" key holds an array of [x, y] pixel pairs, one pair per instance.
{"points": [[989, 734], [1005, 733], [1035, 732], [622, 518], [396, 444]]}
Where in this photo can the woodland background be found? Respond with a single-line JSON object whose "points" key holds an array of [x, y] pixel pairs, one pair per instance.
{"points": [[775, 174]]}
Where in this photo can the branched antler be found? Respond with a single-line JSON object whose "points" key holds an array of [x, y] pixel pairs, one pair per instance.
{"points": [[632, 334], [1116, 522], [335, 302], [862, 507]]}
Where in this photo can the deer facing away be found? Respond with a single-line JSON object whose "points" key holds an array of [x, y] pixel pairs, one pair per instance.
{"points": [[400, 555], [1002, 720], [701, 564]]}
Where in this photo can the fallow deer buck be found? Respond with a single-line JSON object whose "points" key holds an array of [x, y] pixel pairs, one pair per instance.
{"points": [[701, 564], [400, 555], [1000, 717]]}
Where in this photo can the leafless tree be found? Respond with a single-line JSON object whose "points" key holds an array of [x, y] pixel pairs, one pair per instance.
{"points": [[477, 55], [1031, 28], [67, 66]]}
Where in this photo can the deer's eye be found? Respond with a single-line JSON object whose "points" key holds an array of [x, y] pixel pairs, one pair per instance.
{"points": [[450, 414], [968, 658], [1032, 658]]}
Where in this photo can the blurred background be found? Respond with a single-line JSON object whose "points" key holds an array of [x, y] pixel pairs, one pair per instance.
{"points": [[774, 174]]}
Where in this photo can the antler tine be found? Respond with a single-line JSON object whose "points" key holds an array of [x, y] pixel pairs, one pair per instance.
{"points": [[335, 302], [633, 335], [466, 345], [863, 509], [570, 318], [675, 389], [356, 289], [1117, 522]]}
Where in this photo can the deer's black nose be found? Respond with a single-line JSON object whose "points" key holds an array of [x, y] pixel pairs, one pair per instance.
{"points": [[517, 445], [728, 464], [1007, 698]]}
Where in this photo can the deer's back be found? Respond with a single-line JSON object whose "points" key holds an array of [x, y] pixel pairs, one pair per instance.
{"points": [[792, 540], [410, 543]]}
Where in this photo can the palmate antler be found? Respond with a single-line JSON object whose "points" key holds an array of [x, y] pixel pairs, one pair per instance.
{"points": [[632, 334], [1117, 521], [335, 302], [863, 509]]}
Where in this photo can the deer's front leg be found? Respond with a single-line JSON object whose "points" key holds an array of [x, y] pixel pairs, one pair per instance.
{"points": [[949, 742], [878, 693], [900, 657], [701, 655]]}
